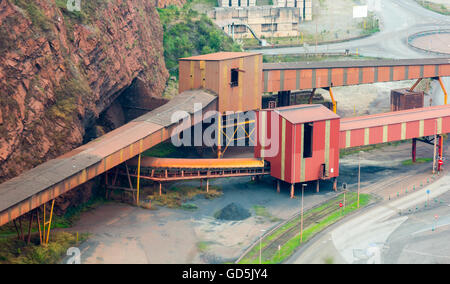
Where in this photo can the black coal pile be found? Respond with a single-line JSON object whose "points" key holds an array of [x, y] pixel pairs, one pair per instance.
{"points": [[232, 212]]}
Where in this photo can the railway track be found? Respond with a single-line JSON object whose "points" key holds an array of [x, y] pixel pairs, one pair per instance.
{"points": [[311, 217]]}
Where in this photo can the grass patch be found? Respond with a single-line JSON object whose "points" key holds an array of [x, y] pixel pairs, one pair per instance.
{"points": [[176, 196], [262, 211], [35, 14], [189, 206], [435, 7], [418, 161], [370, 25], [73, 214], [13, 251], [289, 247], [203, 246], [58, 222], [328, 260], [164, 150]]}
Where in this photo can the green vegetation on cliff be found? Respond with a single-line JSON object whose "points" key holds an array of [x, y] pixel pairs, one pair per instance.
{"points": [[188, 32]]}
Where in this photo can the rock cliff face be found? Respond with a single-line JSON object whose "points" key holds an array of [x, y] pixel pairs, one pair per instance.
{"points": [[59, 70]]}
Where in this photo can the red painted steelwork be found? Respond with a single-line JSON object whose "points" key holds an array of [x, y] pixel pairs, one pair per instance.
{"points": [[308, 75], [394, 126]]}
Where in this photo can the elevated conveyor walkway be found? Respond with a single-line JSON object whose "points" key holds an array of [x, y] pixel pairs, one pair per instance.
{"points": [[394, 126], [55, 177]]}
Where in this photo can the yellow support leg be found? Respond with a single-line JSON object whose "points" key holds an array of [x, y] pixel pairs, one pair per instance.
{"points": [[332, 99], [49, 223], [44, 225], [138, 180], [219, 135], [443, 89]]}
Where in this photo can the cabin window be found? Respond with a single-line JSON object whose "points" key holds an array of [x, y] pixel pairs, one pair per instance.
{"points": [[308, 140], [234, 77]]}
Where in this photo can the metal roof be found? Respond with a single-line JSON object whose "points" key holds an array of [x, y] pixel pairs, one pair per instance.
{"points": [[184, 102], [394, 117], [220, 56], [306, 113], [353, 63]]}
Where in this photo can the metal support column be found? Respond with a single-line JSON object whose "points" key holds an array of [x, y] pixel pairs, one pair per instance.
{"points": [[440, 150], [317, 186], [48, 223], [415, 84], [138, 180], [443, 89], [335, 184], [413, 150], [311, 96], [278, 186], [332, 98], [29, 227], [292, 190], [219, 136]]}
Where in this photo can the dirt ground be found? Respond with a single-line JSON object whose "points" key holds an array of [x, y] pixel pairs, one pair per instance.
{"points": [[366, 99], [124, 234], [333, 20]]}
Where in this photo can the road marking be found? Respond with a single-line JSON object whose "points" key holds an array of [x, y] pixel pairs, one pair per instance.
{"points": [[425, 254]]}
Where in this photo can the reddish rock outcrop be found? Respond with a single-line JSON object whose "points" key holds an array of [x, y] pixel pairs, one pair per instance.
{"points": [[59, 70]]}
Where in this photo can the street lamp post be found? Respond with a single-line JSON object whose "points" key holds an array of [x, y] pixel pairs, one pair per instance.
{"points": [[359, 175], [260, 246], [301, 214]]}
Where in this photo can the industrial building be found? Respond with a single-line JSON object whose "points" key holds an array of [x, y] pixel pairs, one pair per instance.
{"points": [[234, 76], [308, 139], [243, 19]]}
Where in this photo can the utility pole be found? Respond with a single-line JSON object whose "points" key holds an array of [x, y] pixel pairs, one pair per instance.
{"points": [[359, 175], [260, 246], [315, 50], [434, 148]]}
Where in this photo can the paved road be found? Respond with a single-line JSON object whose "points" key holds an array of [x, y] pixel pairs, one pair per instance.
{"points": [[399, 18], [383, 235]]}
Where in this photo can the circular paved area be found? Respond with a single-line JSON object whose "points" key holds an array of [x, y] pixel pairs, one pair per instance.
{"points": [[437, 42]]}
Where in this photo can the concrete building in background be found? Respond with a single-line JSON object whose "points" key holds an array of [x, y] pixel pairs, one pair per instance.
{"points": [[236, 3], [243, 19]]}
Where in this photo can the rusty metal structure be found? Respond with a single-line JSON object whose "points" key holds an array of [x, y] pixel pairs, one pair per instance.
{"points": [[229, 81], [403, 99]]}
